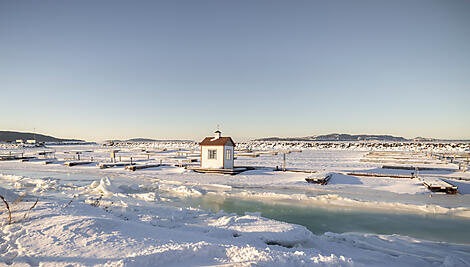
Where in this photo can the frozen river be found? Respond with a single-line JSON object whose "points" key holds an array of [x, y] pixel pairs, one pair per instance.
{"points": [[320, 220], [317, 218]]}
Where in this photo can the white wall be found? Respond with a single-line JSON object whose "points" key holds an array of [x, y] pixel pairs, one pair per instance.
{"points": [[220, 162], [217, 163]]}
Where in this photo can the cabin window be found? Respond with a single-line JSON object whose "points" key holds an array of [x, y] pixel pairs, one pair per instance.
{"points": [[229, 154], [212, 154]]}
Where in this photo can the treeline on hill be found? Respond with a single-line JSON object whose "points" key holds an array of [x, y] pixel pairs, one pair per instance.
{"points": [[338, 137], [9, 136]]}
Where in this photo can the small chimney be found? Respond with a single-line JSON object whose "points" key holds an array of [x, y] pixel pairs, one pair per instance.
{"points": [[217, 135]]}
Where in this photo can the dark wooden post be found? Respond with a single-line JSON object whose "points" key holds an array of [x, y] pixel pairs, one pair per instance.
{"points": [[284, 162]]}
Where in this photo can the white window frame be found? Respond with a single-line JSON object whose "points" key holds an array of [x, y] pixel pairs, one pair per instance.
{"points": [[212, 154], [228, 154]]}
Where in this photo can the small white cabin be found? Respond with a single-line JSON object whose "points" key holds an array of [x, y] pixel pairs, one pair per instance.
{"points": [[217, 152]]}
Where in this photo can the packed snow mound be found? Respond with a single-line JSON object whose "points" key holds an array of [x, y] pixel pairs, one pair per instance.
{"points": [[88, 235], [393, 249], [150, 196], [179, 189], [251, 256], [269, 231], [103, 187], [31, 184]]}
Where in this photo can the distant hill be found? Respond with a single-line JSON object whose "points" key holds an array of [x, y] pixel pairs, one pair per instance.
{"points": [[359, 137], [141, 140], [425, 139], [9, 136], [338, 137]]}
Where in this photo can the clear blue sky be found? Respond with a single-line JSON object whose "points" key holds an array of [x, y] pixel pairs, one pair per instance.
{"points": [[176, 69]]}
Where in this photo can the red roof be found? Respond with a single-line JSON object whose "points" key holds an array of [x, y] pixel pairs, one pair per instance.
{"points": [[221, 141]]}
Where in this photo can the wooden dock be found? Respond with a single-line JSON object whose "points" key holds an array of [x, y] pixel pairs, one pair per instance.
{"points": [[419, 157], [392, 153], [76, 163], [294, 170], [400, 161], [15, 157], [449, 177], [440, 186], [37, 160], [140, 167], [233, 171], [255, 154], [252, 155], [187, 153], [386, 175], [412, 168], [319, 180], [117, 164], [181, 159], [30, 159], [7, 157]]}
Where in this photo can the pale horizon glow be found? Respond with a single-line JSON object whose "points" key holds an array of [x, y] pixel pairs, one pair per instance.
{"points": [[98, 70]]}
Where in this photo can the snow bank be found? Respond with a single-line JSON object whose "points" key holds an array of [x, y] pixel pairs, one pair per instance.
{"points": [[179, 189], [103, 187], [329, 200], [84, 235], [30, 184], [119, 229], [269, 231], [151, 196]]}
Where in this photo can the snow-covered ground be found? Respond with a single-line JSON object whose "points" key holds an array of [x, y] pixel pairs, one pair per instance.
{"points": [[115, 217]]}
